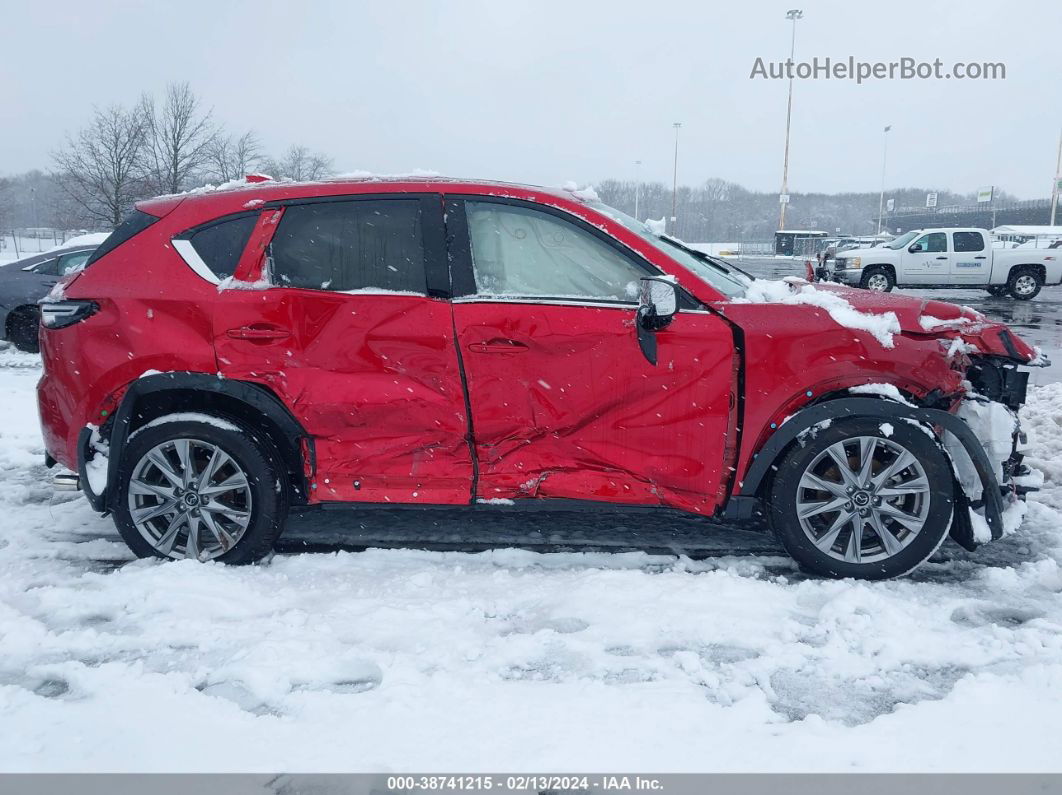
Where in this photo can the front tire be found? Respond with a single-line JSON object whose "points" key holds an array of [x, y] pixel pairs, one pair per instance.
{"points": [[857, 501], [199, 489], [1024, 282], [997, 290], [878, 279]]}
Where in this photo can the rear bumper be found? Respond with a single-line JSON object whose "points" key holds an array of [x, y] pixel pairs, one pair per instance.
{"points": [[54, 408]]}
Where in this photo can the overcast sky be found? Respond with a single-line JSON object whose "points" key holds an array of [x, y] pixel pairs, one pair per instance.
{"points": [[546, 92]]}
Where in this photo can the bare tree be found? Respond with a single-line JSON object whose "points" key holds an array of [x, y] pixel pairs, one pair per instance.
{"points": [[179, 134], [299, 163], [100, 167], [231, 158], [5, 201]]}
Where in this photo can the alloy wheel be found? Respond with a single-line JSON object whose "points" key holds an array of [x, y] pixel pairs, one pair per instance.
{"points": [[863, 499], [189, 499], [1024, 284], [878, 282]]}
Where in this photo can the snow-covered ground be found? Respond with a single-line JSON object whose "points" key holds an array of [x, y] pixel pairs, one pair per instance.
{"points": [[512, 660]]}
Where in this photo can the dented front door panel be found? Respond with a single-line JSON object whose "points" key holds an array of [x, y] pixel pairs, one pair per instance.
{"points": [[565, 405]]}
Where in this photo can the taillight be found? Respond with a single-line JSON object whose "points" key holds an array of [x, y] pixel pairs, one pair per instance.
{"points": [[60, 314]]}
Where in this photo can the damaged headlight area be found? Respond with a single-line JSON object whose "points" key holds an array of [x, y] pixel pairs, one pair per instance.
{"points": [[996, 391], [998, 380]]}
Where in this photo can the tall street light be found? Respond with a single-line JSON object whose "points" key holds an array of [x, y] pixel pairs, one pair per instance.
{"points": [[674, 182], [884, 156], [793, 14], [637, 185]]}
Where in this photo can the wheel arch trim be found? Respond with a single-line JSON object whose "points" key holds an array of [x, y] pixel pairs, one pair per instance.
{"points": [[740, 506], [255, 396]]}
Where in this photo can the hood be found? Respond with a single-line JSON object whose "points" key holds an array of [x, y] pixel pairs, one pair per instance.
{"points": [[858, 252], [922, 317]]}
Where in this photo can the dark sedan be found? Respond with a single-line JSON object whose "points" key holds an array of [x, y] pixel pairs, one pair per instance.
{"points": [[24, 282]]}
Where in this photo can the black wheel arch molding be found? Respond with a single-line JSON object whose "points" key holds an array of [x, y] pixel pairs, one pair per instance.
{"points": [[295, 443], [744, 504]]}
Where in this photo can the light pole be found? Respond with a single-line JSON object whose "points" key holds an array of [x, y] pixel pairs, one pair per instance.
{"points": [[1058, 179], [884, 155], [637, 185], [674, 181], [793, 14]]}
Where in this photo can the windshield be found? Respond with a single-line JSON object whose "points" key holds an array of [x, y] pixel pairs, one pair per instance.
{"points": [[901, 241], [716, 273]]}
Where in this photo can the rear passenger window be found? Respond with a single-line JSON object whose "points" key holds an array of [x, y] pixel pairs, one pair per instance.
{"points": [[220, 245], [348, 246], [968, 241]]}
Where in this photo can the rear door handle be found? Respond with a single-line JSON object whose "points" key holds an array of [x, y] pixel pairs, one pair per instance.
{"points": [[258, 333], [980, 256], [941, 257], [498, 345]]}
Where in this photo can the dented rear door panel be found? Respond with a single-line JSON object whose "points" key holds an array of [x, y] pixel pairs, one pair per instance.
{"points": [[373, 377]]}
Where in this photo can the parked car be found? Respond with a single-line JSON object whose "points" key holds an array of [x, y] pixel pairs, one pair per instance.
{"points": [[949, 258], [24, 282], [227, 356]]}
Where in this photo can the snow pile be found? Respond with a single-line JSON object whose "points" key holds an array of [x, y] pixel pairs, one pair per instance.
{"points": [[96, 467], [449, 661], [881, 390], [766, 291], [930, 323], [993, 425], [587, 194], [658, 228], [232, 283], [89, 239]]}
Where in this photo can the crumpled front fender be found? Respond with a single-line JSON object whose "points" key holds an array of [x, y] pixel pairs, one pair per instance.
{"points": [[741, 506]]}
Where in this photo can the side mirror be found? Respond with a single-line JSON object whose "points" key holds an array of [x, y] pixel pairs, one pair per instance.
{"points": [[915, 248], [657, 305]]}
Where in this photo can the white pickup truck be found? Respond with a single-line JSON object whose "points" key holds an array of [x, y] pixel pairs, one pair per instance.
{"points": [[948, 258]]}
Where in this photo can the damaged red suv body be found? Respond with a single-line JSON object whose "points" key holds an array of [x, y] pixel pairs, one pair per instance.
{"points": [[230, 354]]}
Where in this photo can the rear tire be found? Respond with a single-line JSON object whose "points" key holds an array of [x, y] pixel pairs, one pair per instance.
{"points": [[22, 326], [878, 279], [191, 476], [1024, 282], [817, 509], [998, 290]]}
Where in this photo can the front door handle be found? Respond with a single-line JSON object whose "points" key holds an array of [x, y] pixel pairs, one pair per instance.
{"points": [[258, 333], [498, 345], [980, 256], [941, 257]]}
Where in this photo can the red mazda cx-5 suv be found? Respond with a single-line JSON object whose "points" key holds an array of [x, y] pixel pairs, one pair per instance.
{"points": [[226, 355]]}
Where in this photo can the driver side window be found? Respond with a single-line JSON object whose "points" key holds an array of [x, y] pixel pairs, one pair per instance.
{"points": [[933, 242], [47, 268], [523, 252], [68, 263]]}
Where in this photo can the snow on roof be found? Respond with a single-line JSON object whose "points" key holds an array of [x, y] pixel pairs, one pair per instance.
{"points": [[91, 239], [800, 232], [1030, 230], [257, 181]]}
